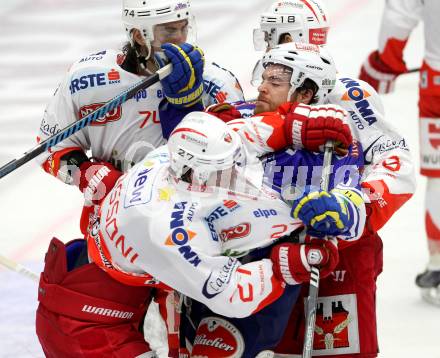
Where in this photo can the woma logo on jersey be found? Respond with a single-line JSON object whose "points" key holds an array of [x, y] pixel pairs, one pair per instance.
{"points": [[112, 116], [358, 95], [180, 236]]}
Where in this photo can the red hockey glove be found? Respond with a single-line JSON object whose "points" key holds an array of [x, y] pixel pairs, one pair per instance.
{"points": [[225, 111], [96, 180], [311, 126], [291, 262], [378, 74]]}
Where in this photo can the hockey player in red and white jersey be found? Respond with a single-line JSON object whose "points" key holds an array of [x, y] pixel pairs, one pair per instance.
{"points": [[388, 179], [381, 70], [125, 135]]}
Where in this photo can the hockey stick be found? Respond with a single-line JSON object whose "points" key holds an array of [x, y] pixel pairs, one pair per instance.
{"points": [[83, 122], [412, 70], [16, 267], [314, 274]]}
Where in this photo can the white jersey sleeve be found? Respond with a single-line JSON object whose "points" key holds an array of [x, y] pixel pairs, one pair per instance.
{"points": [[400, 17]]}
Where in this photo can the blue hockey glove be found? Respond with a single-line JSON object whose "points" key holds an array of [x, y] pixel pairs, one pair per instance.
{"points": [[328, 213], [184, 86]]}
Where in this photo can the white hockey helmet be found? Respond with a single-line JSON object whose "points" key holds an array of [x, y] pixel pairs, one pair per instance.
{"points": [[304, 20], [203, 143], [144, 15], [306, 61]]}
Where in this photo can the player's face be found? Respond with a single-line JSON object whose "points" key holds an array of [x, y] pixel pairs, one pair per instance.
{"points": [[174, 32], [274, 89]]}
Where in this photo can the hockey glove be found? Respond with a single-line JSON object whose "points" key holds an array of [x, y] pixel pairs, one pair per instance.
{"points": [[225, 111], [96, 180], [184, 86], [327, 213], [292, 262], [310, 127], [380, 75]]}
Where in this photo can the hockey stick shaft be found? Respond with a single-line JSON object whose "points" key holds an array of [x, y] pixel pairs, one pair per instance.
{"points": [[16, 267], [314, 274], [412, 70], [85, 121]]}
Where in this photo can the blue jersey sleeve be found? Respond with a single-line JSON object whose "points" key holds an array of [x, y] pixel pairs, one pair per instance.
{"points": [[171, 116], [291, 171]]}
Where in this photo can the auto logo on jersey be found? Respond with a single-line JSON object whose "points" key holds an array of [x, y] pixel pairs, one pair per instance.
{"points": [[94, 57], [112, 116], [359, 96], [94, 80], [180, 236]]}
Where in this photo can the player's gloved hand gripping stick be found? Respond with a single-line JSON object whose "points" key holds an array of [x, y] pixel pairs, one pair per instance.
{"points": [[314, 274], [85, 121]]}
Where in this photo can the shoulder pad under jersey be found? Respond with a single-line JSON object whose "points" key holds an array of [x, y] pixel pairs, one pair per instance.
{"points": [[220, 85]]}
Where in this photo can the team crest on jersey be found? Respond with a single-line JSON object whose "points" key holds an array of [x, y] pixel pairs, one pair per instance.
{"points": [[336, 328], [112, 116], [216, 337]]}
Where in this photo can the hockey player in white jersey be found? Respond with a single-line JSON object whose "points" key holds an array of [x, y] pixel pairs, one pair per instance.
{"points": [[127, 133], [381, 69], [388, 178]]}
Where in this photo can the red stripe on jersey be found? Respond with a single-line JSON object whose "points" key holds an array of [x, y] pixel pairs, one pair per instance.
{"points": [[383, 203], [432, 230]]}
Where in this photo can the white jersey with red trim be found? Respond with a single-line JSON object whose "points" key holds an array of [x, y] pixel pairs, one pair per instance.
{"points": [[401, 17], [125, 135], [152, 223], [388, 178]]}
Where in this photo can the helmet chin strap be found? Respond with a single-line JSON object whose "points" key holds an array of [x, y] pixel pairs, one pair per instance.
{"points": [[290, 93], [142, 59]]}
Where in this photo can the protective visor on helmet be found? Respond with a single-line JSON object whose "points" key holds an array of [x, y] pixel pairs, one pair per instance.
{"points": [[159, 21]]}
